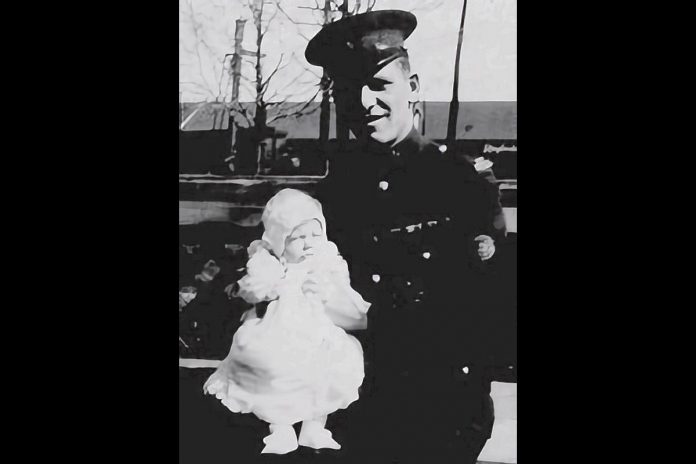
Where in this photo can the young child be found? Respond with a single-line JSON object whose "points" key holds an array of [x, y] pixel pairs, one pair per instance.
{"points": [[295, 363]]}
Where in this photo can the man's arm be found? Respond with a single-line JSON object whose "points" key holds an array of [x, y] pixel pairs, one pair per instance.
{"points": [[492, 217], [480, 220]]}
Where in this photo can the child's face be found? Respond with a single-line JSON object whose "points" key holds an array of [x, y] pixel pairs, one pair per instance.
{"points": [[302, 240]]}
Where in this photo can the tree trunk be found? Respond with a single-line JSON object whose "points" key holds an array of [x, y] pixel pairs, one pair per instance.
{"points": [[454, 104], [342, 129], [260, 115], [325, 108]]}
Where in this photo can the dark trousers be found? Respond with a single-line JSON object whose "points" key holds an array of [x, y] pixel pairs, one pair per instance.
{"points": [[412, 417]]}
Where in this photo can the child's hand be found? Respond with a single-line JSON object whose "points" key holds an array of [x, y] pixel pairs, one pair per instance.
{"points": [[317, 285]]}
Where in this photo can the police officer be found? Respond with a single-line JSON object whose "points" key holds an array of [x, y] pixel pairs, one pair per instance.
{"points": [[417, 226]]}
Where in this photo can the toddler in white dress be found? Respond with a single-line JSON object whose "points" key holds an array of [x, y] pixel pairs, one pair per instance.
{"points": [[296, 363]]}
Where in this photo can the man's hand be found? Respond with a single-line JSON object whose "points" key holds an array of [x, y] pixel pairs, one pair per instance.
{"points": [[486, 247], [232, 290]]}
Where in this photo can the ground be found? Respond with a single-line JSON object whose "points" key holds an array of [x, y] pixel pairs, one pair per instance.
{"points": [[211, 434]]}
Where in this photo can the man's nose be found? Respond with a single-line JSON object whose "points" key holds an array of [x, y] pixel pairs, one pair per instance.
{"points": [[367, 97]]}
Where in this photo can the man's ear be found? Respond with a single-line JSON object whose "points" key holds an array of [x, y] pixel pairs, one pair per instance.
{"points": [[414, 83]]}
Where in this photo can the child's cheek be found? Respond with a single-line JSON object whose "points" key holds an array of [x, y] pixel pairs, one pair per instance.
{"points": [[294, 250]]}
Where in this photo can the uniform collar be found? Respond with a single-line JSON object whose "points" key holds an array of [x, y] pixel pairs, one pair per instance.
{"points": [[412, 144]]}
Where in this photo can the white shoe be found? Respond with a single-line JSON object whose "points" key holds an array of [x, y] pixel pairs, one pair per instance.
{"points": [[282, 440], [317, 438]]}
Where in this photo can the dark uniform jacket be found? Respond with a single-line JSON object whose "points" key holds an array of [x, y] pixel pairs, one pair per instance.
{"points": [[405, 220]]}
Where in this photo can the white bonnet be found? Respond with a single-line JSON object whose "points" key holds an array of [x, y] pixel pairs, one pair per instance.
{"points": [[286, 210]]}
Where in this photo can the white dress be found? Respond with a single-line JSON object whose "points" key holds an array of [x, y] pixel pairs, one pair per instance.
{"points": [[296, 363]]}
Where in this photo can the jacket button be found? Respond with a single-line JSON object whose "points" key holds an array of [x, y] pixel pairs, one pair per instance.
{"points": [[376, 278], [383, 185], [426, 255]]}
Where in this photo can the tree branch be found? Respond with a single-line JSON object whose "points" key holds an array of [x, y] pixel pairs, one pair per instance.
{"points": [[277, 67], [279, 104], [296, 114], [299, 112], [303, 36], [195, 84], [428, 6], [199, 42], [201, 87], [292, 20], [293, 81], [275, 13], [222, 77], [241, 111], [272, 96], [318, 76]]}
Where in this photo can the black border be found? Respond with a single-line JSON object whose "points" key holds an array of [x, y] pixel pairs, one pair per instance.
{"points": [[105, 341]]}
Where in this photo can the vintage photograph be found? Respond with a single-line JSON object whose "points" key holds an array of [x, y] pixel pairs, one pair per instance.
{"points": [[348, 231]]}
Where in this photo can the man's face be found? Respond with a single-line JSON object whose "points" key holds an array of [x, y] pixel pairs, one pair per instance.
{"points": [[380, 105]]}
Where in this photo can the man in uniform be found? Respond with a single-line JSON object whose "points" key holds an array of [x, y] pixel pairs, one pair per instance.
{"points": [[417, 226]]}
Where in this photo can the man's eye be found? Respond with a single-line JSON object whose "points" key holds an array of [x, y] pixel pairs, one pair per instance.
{"points": [[377, 85]]}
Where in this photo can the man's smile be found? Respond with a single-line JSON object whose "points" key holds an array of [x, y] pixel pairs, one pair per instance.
{"points": [[372, 118]]}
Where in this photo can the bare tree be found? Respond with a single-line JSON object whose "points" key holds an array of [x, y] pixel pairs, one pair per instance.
{"points": [[426, 5], [196, 45], [204, 55], [330, 11], [270, 105], [238, 68]]}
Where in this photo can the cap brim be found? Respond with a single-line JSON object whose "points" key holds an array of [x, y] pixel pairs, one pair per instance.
{"points": [[333, 37]]}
